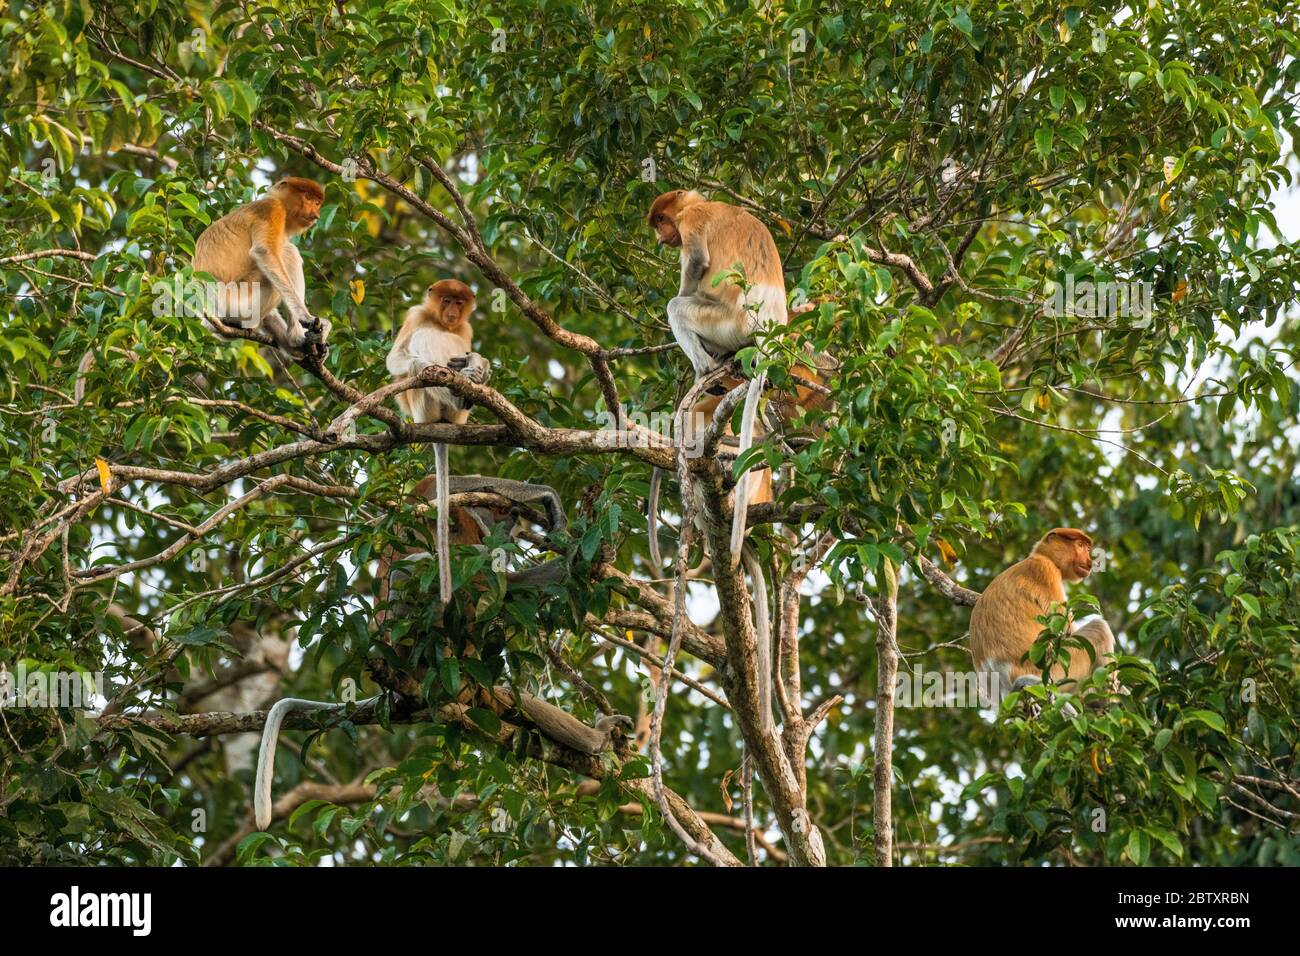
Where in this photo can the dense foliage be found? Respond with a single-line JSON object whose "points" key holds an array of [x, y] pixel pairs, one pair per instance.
{"points": [[932, 174]]}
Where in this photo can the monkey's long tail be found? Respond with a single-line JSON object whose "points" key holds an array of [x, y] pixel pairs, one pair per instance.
{"points": [[266, 753], [652, 520], [741, 509], [763, 631], [83, 369], [443, 482]]}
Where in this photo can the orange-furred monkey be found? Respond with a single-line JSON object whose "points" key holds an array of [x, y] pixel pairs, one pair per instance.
{"points": [[437, 332], [711, 322], [249, 253], [1003, 625]]}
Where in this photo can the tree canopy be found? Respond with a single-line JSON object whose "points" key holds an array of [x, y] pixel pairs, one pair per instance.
{"points": [[198, 520]]}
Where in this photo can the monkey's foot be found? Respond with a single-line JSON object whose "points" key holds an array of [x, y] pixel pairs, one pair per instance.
{"points": [[315, 333]]}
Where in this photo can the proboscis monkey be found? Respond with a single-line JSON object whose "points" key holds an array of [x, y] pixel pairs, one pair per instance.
{"points": [[249, 253], [712, 319], [758, 492], [437, 332], [1003, 623]]}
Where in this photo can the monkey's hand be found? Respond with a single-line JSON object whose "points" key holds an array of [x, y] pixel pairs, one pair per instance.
{"points": [[475, 368], [316, 332]]}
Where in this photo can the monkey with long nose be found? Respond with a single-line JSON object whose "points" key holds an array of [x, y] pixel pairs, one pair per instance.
{"points": [[437, 332]]}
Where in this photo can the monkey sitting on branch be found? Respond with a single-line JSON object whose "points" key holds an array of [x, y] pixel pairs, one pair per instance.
{"points": [[1004, 625], [712, 316], [257, 268], [438, 332]]}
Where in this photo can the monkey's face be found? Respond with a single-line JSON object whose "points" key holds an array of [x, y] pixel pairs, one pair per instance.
{"points": [[1080, 560], [663, 218], [308, 211], [302, 200], [1070, 550], [668, 234], [451, 302]]}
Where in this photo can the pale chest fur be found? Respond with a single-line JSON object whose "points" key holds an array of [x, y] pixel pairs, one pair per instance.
{"points": [[436, 345]]}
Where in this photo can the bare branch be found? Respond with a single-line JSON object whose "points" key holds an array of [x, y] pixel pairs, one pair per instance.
{"points": [[946, 586]]}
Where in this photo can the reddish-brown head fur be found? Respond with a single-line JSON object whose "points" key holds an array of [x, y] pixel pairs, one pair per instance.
{"points": [[664, 211], [1070, 550], [302, 200], [450, 301]]}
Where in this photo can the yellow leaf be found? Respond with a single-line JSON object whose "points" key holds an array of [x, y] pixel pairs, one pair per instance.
{"points": [[1164, 202], [1181, 291], [105, 475], [1063, 31], [948, 552], [629, 634], [1096, 766], [785, 226], [358, 288], [249, 355], [1044, 402], [645, 30]]}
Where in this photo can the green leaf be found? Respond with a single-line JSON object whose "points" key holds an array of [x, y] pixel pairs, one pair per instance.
{"points": [[1138, 847], [1207, 717], [1043, 141], [485, 719]]}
